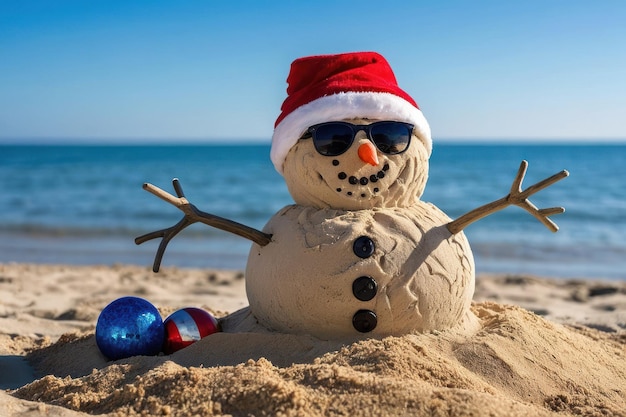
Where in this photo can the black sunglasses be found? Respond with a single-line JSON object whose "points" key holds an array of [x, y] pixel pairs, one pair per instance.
{"points": [[334, 138]]}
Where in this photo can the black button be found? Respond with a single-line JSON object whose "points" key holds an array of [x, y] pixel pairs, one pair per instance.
{"points": [[364, 321], [364, 288], [363, 247]]}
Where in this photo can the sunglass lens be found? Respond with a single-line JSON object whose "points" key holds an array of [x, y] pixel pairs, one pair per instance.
{"points": [[332, 139], [391, 137]]}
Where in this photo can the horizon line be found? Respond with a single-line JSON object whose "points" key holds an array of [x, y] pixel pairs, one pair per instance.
{"points": [[134, 141]]}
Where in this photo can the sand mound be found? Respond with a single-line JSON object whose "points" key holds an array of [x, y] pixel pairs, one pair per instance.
{"points": [[516, 364]]}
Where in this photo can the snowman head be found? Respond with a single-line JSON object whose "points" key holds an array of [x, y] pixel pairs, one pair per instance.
{"points": [[348, 137], [361, 176]]}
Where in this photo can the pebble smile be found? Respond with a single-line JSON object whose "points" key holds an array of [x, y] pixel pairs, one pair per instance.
{"points": [[356, 181]]}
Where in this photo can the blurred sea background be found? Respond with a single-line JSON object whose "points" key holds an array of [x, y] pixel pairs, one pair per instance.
{"points": [[84, 204]]}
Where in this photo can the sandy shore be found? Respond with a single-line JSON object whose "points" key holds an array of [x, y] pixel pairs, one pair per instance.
{"points": [[544, 347]]}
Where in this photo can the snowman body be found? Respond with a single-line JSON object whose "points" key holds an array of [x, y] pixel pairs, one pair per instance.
{"points": [[383, 271], [359, 252]]}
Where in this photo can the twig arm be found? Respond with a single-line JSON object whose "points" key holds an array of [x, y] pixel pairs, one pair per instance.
{"points": [[167, 235], [231, 226], [193, 215], [515, 197], [455, 226]]}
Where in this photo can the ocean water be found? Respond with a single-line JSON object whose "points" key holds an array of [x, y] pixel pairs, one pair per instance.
{"points": [[85, 204]]}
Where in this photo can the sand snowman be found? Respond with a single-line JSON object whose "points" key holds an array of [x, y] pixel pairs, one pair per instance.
{"points": [[358, 252]]}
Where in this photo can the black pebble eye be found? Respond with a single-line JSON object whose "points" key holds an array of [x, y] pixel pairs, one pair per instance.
{"points": [[335, 162]]}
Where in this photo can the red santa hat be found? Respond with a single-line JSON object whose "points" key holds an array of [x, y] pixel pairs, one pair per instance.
{"points": [[336, 87]]}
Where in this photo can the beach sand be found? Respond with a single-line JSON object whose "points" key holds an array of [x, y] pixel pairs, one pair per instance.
{"points": [[543, 348]]}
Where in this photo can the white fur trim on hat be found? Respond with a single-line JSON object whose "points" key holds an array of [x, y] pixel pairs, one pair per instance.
{"points": [[345, 105]]}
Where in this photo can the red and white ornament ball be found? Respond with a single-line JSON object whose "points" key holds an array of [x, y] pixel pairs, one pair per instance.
{"points": [[186, 326]]}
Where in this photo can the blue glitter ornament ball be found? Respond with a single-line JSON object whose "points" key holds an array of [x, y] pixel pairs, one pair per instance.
{"points": [[129, 326]]}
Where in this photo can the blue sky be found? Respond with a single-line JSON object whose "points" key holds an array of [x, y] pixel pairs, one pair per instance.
{"points": [[213, 70]]}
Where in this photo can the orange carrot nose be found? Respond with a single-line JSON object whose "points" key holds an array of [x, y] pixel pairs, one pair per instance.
{"points": [[367, 153]]}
